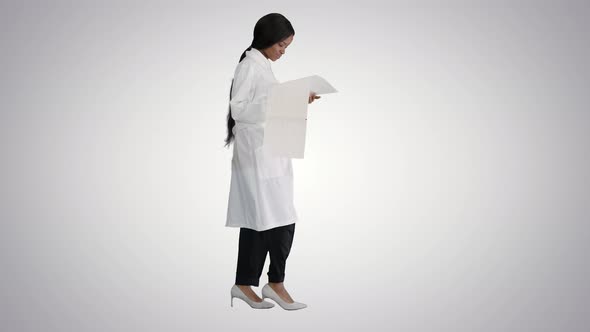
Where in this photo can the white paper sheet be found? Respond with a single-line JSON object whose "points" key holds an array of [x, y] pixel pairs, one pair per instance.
{"points": [[317, 84], [286, 115]]}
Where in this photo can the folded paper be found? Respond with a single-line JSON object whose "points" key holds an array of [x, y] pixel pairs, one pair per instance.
{"points": [[286, 115]]}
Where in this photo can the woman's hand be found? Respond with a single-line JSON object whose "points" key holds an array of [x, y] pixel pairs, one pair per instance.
{"points": [[312, 97]]}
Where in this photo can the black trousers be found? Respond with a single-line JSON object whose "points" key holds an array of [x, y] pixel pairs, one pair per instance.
{"points": [[252, 250]]}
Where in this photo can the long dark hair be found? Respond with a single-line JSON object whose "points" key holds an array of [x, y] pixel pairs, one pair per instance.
{"points": [[270, 29]]}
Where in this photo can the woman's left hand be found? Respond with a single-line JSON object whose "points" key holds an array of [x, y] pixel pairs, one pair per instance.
{"points": [[312, 97]]}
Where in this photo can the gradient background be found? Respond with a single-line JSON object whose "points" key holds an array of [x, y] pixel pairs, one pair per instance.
{"points": [[444, 188]]}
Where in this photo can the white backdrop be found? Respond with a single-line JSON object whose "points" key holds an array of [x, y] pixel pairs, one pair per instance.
{"points": [[444, 188]]}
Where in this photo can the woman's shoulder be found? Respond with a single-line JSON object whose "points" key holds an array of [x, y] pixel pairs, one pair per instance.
{"points": [[247, 68], [250, 63]]}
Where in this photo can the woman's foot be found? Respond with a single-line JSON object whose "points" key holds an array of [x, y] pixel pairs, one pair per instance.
{"points": [[279, 288], [250, 293]]}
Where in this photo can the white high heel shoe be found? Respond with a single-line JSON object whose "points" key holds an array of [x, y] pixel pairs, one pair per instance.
{"points": [[267, 291], [237, 292]]}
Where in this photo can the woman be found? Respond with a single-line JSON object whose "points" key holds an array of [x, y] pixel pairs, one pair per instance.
{"points": [[261, 190]]}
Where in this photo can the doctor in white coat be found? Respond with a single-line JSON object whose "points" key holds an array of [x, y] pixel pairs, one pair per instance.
{"points": [[261, 189]]}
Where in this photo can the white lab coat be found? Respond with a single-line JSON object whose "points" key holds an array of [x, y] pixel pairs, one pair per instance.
{"points": [[261, 189]]}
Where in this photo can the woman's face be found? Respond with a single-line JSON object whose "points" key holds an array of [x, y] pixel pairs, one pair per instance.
{"points": [[278, 49]]}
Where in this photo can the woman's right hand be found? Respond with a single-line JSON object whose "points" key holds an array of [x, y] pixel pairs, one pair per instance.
{"points": [[312, 97]]}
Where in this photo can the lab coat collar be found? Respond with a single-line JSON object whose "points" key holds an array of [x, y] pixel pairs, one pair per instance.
{"points": [[258, 57]]}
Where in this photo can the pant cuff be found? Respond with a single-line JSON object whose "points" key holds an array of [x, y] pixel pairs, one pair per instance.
{"points": [[274, 278], [247, 281]]}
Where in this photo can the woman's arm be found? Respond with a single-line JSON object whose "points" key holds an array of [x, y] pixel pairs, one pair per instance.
{"points": [[242, 91]]}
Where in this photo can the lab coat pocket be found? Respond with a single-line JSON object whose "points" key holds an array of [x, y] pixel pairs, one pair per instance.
{"points": [[269, 166]]}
